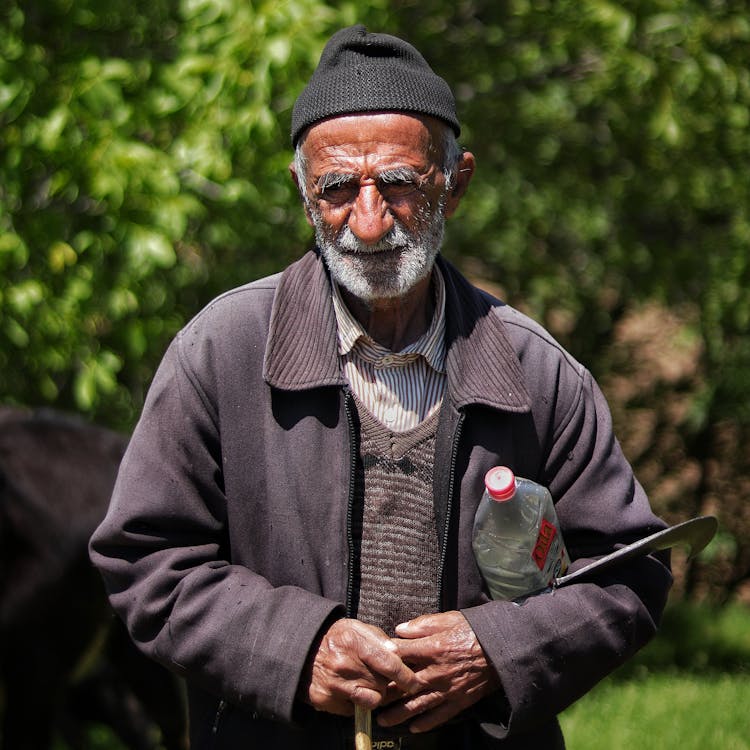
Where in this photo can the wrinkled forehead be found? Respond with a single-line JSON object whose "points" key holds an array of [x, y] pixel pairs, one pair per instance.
{"points": [[374, 138]]}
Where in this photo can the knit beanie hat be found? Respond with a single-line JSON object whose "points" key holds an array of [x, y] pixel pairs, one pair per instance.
{"points": [[363, 72]]}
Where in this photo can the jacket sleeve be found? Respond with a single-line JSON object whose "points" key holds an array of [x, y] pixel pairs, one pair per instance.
{"points": [[162, 551], [551, 649]]}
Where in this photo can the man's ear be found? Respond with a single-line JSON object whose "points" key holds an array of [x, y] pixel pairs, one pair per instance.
{"points": [[296, 178], [464, 173]]}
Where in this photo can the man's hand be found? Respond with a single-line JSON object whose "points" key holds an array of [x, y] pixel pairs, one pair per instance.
{"points": [[355, 663], [446, 656]]}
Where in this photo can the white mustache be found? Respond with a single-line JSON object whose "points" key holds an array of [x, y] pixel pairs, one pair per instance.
{"points": [[396, 238]]}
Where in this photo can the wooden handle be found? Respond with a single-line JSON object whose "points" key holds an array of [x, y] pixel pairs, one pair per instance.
{"points": [[362, 728]]}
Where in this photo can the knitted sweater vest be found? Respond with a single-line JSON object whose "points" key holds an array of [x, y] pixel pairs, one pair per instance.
{"points": [[394, 527]]}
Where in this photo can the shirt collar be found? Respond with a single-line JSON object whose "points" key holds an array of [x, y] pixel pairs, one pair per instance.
{"points": [[481, 363], [431, 345]]}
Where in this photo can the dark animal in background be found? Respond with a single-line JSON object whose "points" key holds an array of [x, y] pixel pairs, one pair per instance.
{"points": [[64, 659]]}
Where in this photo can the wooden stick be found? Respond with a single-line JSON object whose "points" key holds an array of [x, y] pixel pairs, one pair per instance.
{"points": [[362, 728]]}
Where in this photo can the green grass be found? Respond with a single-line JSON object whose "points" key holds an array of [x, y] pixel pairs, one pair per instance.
{"points": [[689, 689], [663, 712]]}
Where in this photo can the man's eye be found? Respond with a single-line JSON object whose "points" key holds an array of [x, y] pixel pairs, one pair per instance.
{"points": [[338, 192], [397, 189]]}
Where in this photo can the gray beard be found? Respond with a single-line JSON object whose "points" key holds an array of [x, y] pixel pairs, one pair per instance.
{"points": [[387, 269]]}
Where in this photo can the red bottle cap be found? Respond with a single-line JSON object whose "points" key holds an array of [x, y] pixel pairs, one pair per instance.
{"points": [[500, 483]]}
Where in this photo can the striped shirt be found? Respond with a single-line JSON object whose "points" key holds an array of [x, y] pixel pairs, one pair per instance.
{"points": [[400, 389]]}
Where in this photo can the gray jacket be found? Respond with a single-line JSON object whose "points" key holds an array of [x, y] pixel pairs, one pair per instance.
{"points": [[226, 548]]}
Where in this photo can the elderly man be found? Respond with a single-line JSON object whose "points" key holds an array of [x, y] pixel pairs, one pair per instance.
{"points": [[291, 527]]}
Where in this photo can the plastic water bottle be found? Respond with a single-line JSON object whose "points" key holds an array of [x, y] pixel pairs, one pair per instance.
{"points": [[517, 541]]}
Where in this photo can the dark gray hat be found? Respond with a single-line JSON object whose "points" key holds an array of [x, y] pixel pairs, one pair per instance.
{"points": [[363, 72]]}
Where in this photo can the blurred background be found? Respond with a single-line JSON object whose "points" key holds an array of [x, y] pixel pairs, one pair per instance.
{"points": [[143, 170]]}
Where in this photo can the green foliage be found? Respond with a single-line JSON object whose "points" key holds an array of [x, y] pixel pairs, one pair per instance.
{"points": [[143, 170], [610, 139]]}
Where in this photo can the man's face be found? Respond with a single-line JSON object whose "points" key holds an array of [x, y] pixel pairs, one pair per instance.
{"points": [[376, 198]]}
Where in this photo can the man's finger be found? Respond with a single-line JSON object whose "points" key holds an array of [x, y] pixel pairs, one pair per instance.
{"points": [[420, 627], [354, 664], [427, 625], [433, 718], [384, 660]]}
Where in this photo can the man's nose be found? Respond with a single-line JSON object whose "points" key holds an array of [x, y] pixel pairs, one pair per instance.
{"points": [[370, 220]]}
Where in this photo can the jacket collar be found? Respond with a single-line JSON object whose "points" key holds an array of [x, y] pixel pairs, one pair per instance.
{"points": [[302, 349]]}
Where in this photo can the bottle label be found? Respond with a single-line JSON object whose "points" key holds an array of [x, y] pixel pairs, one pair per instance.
{"points": [[547, 534]]}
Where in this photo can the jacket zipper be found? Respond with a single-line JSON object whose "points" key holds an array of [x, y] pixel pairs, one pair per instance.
{"points": [[449, 508], [350, 504]]}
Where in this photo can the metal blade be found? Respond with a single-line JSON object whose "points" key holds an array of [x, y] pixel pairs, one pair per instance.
{"points": [[696, 533]]}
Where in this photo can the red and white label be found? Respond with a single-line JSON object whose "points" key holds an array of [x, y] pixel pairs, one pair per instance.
{"points": [[547, 534]]}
